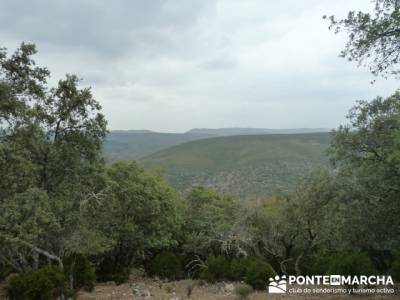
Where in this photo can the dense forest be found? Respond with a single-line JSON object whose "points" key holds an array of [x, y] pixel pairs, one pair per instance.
{"points": [[244, 166], [69, 219]]}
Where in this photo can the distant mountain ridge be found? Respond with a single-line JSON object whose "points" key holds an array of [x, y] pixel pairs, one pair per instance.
{"points": [[250, 131], [136, 144]]}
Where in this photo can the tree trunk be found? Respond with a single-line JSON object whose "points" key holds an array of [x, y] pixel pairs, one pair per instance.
{"points": [[71, 273], [297, 264]]}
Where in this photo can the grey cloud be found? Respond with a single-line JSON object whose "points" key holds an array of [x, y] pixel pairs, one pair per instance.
{"points": [[105, 28], [219, 64], [171, 65]]}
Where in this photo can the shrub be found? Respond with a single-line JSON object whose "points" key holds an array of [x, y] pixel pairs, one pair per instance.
{"points": [[238, 269], [169, 288], [107, 270], [350, 263], [216, 268], [4, 271], [83, 272], [243, 291], [45, 283], [257, 273], [190, 284], [395, 269], [165, 265]]}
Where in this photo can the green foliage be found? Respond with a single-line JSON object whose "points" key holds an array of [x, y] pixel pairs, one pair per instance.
{"points": [[80, 271], [5, 270], [351, 263], [59, 201], [248, 268], [238, 269], [50, 164], [45, 283], [142, 213], [395, 268], [255, 271], [216, 268], [243, 291], [166, 265], [373, 37], [258, 272], [244, 166], [367, 157], [208, 217], [109, 270]]}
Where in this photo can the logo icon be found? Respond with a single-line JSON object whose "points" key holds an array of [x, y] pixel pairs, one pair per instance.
{"points": [[277, 285], [335, 280]]}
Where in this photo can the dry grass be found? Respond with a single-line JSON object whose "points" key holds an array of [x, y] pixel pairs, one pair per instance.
{"points": [[178, 290]]}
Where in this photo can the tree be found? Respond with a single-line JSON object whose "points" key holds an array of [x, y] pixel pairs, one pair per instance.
{"points": [[373, 37], [50, 164], [290, 228], [366, 154], [208, 221], [142, 214], [272, 230]]}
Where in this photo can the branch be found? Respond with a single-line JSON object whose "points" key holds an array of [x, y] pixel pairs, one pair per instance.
{"points": [[34, 248]]}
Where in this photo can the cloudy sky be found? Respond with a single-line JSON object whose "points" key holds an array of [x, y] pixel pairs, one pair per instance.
{"points": [[174, 65]]}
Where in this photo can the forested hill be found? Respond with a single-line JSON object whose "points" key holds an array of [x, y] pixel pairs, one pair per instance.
{"points": [[136, 144], [246, 166], [255, 131]]}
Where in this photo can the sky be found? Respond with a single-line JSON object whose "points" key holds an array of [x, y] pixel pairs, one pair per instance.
{"points": [[174, 65]]}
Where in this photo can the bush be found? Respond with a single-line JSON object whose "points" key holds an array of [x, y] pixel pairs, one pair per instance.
{"points": [[5, 270], [190, 284], [83, 272], [395, 269], [108, 270], [216, 268], [238, 269], [351, 263], [243, 291], [45, 283], [258, 272], [255, 271], [165, 265]]}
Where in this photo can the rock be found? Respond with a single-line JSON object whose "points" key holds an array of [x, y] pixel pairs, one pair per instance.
{"points": [[229, 287], [145, 293], [141, 292]]}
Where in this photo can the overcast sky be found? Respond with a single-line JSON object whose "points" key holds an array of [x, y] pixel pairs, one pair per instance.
{"points": [[174, 65]]}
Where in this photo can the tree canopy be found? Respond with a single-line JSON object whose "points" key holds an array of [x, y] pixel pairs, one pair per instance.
{"points": [[373, 37]]}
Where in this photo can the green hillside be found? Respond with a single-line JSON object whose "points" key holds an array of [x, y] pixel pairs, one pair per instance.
{"points": [[247, 166], [135, 144]]}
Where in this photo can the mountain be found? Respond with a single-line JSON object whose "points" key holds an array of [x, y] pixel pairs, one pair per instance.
{"points": [[256, 131], [246, 166], [135, 144]]}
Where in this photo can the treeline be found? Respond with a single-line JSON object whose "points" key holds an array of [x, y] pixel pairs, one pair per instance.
{"points": [[67, 219]]}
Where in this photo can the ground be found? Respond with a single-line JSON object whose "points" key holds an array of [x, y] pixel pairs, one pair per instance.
{"points": [[139, 287], [161, 290]]}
